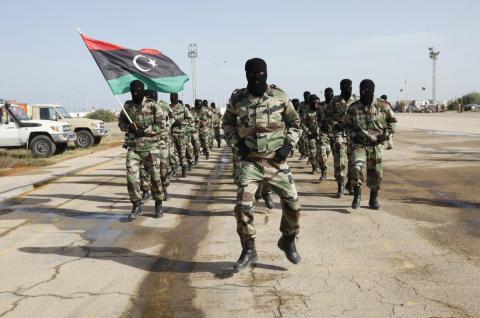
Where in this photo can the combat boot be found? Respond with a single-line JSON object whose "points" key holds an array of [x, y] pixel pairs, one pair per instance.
{"points": [[219, 143], [196, 160], [166, 195], [268, 200], [340, 189], [323, 175], [248, 256], [158, 209], [373, 201], [357, 197], [184, 171], [189, 167], [146, 196], [287, 244], [207, 155], [137, 210]]}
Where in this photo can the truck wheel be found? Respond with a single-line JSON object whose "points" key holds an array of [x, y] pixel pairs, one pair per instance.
{"points": [[97, 140], [42, 146], [84, 139], [61, 148]]}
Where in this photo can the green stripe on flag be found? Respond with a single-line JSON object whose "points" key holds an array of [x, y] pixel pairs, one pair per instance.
{"points": [[173, 84]]}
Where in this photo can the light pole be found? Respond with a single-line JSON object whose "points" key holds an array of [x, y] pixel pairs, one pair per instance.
{"points": [[192, 54], [423, 91], [434, 56], [220, 93]]}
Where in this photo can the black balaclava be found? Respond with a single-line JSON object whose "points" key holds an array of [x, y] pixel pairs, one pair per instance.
{"points": [[187, 105], [180, 101], [151, 94], [174, 98], [296, 103], [328, 93], [212, 105], [346, 89], [198, 103], [384, 97], [256, 71], [205, 103], [313, 100], [306, 96], [137, 88], [367, 89]]}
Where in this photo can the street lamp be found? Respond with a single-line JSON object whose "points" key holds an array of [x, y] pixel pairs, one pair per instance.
{"points": [[220, 93], [423, 91], [434, 56], [193, 54]]}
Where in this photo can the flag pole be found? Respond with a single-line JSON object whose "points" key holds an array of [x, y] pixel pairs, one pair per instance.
{"points": [[118, 99]]}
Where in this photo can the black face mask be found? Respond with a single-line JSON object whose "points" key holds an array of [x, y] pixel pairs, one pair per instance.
{"points": [[306, 96], [313, 101], [367, 90], [174, 98], [256, 71], [205, 103], [137, 89], [296, 103], [198, 104], [328, 95], [346, 89], [151, 94]]}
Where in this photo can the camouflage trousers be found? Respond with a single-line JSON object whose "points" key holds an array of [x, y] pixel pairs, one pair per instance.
{"points": [[196, 143], [153, 165], [205, 141], [145, 182], [372, 156], [180, 141], [318, 152], [303, 145], [211, 133], [339, 151], [279, 178], [172, 158], [218, 135]]}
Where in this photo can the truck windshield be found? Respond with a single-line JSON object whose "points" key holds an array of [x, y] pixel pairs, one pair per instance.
{"points": [[62, 112], [19, 113]]}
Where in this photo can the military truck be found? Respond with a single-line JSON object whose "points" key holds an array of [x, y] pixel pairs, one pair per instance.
{"points": [[44, 138], [89, 131]]}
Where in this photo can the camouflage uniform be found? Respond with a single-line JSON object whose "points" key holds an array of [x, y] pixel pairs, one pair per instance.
{"points": [[211, 132], [368, 123], [323, 141], [334, 114], [181, 116], [265, 124], [204, 117], [145, 151], [217, 122], [303, 140], [195, 137]]}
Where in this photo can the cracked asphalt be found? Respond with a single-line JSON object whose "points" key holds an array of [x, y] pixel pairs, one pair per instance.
{"points": [[67, 250]]}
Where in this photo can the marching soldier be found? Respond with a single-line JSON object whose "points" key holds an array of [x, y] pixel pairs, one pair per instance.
{"points": [[181, 116]]}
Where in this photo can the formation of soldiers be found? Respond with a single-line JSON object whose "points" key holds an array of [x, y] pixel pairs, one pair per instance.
{"points": [[160, 139], [263, 127]]}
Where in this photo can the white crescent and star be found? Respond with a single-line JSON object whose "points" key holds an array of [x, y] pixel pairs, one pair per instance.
{"points": [[151, 61]]}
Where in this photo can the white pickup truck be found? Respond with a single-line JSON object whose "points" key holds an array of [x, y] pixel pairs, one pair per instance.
{"points": [[44, 138]]}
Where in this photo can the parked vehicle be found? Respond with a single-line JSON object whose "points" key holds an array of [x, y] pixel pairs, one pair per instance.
{"points": [[472, 107], [89, 131], [44, 138]]}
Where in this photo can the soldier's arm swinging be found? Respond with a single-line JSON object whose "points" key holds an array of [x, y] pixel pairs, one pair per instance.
{"points": [[292, 125]]}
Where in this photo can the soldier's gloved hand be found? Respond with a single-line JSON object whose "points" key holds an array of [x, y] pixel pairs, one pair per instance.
{"points": [[242, 147], [139, 132], [283, 152], [357, 139]]}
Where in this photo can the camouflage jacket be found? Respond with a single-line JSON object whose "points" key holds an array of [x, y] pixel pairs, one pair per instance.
{"points": [[265, 123], [217, 119], [322, 118], [149, 117], [310, 121], [181, 117], [204, 118], [336, 110], [369, 122]]}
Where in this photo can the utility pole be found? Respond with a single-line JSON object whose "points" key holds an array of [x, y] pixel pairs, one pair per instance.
{"points": [[434, 56], [192, 54], [220, 92]]}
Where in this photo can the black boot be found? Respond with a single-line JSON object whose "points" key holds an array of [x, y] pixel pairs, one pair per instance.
{"points": [[248, 256], [357, 196], [184, 171], [137, 210], [340, 189], [166, 195], [196, 160], [146, 196], [373, 202], [349, 187], [219, 143], [158, 209], [287, 244], [323, 176], [268, 200], [189, 167], [207, 155]]}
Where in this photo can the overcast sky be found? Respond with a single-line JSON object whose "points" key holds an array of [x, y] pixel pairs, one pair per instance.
{"points": [[308, 45]]}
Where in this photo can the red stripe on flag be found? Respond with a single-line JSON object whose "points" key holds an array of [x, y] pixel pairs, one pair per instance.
{"points": [[150, 51], [93, 44]]}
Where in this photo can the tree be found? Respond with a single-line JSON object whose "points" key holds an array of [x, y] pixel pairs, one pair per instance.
{"points": [[102, 114], [471, 98]]}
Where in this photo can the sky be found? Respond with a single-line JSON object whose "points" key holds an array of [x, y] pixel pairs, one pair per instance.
{"points": [[308, 45]]}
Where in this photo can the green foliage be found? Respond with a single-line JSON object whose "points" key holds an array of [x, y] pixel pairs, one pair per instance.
{"points": [[471, 98], [102, 114]]}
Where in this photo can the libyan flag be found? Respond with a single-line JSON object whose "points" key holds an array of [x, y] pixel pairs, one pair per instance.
{"points": [[120, 66]]}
